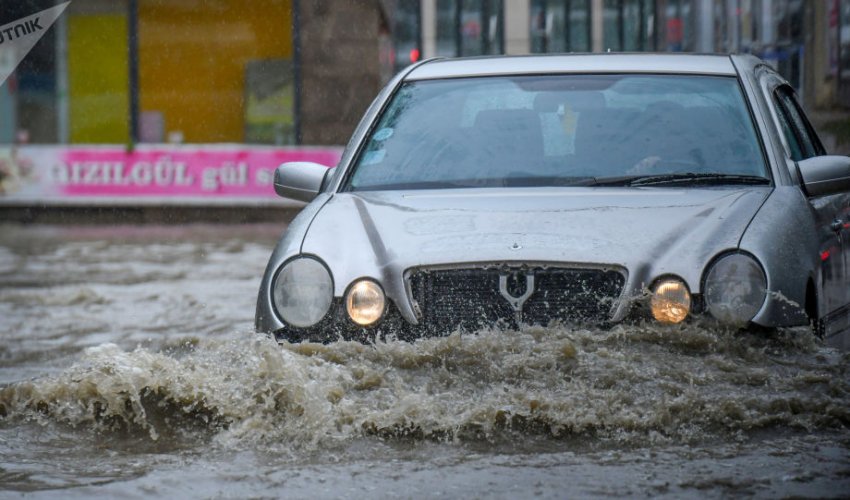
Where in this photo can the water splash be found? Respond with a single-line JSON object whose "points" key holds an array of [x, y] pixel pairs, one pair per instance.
{"points": [[637, 384]]}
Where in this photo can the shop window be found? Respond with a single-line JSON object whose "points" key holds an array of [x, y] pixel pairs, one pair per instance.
{"points": [[843, 30], [579, 26], [611, 26], [679, 26], [470, 27], [98, 78], [407, 22], [222, 73], [447, 33], [480, 27], [787, 49], [29, 97], [629, 25], [560, 26], [720, 10]]}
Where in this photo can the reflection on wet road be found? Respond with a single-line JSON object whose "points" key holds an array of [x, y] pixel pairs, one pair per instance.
{"points": [[128, 366]]}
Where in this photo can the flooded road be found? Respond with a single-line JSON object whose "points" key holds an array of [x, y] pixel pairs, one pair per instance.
{"points": [[129, 367]]}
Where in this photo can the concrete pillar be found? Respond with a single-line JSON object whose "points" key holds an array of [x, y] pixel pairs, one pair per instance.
{"points": [[820, 89], [8, 118], [596, 26], [62, 84], [517, 27], [429, 28], [768, 30], [705, 26], [734, 26]]}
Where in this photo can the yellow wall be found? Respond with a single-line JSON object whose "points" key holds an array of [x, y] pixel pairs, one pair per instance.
{"points": [[192, 60], [97, 78]]}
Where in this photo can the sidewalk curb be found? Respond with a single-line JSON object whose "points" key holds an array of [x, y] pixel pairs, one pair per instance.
{"points": [[144, 215]]}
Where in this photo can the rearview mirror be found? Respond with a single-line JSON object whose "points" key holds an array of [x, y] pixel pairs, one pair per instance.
{"points": [[300, 180], [824, 175]]}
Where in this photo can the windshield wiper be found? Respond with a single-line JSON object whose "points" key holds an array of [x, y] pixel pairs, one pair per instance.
{"points": [[711, 179]]}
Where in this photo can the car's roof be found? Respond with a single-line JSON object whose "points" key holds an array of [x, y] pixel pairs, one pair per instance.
{"points": [[574, 63]]}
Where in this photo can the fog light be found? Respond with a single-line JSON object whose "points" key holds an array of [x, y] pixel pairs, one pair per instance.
{"points": [[671, 301], [365, 302]]}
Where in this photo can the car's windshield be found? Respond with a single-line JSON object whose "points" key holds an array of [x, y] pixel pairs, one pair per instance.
{"points": [[561, 130]]}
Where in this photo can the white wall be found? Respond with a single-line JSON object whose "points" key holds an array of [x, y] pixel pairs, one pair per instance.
{"points": [[517, 26]]}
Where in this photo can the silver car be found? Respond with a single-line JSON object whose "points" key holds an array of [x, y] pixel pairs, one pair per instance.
{"points": [[572, 189]]}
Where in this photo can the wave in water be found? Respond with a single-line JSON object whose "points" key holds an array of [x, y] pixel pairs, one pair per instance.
{"points": [[633, 383]]}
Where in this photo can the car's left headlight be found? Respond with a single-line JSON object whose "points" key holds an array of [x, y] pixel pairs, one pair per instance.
{"points": [[365, 302], [735, 288]]}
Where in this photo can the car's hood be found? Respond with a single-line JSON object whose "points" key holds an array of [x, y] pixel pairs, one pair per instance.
{"points": [[647, 231]]}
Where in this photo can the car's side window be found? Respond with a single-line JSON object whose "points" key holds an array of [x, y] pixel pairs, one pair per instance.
{"points": [[798, 131], [796, 150], [819, 149]]}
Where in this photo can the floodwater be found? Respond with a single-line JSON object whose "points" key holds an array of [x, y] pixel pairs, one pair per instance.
{"points": [[129, 367]]}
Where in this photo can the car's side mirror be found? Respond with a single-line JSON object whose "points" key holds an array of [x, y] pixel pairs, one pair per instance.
{"points": [[300, 180], [824, 175]]}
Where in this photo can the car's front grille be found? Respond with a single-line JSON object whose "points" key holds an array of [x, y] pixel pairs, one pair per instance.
{"points": [[470, 298]]}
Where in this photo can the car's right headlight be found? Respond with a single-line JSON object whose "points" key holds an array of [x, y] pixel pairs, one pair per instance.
{"points": [[671, 301], [302, 292], [735, 288]]}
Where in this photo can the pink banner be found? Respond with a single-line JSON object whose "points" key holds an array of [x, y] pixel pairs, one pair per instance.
{"points": [[215, 172]]}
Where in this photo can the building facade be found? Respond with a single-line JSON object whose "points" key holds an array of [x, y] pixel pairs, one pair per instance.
{"points": [[194, 71], [303, 71], [808, 41]]}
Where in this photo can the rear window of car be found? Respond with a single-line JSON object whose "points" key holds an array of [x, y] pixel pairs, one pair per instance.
{"points": [[553, 130]]}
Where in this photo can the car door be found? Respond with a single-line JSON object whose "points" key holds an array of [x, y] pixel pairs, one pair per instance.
{"points": [[833, 213]]}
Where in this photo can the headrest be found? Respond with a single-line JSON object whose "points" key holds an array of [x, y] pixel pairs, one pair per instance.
{"points": [[549, 102]]}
